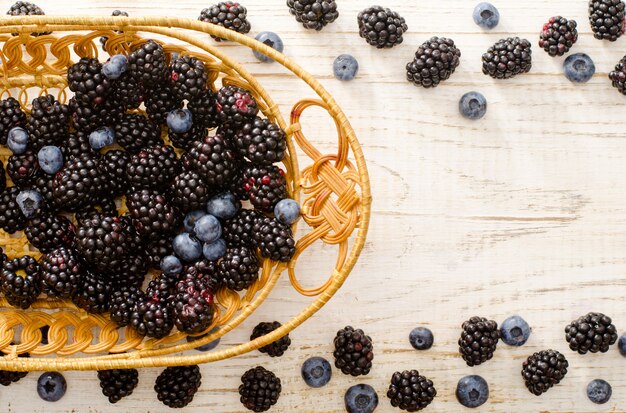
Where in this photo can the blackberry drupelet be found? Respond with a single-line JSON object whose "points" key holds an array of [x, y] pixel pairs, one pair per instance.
{"points": [[188, 77], [204, 109], [147, 63], [114, 165], [160, 101], [230, 15], [176, 386], [607, 19], [153, 167], [48, 232], [118, 383], [261, 141], [188, 192], [275, 240], [23, 169], [259, 389], [79, 184], [186, 140], [213, 159], [276, 348], [135, 132], [314, 14], [239, 268], [122, 302], [410, 391], [87, 118], [104, 242], [266, 185], [354, 352], [86, 80], [93, 292], [618, 76], [507, 58], [48, 123], [25, 8], [153, 216], [61, 272], [11, 116], [103, 39], [235, 106], [381, 27], [128, 91], [158, 248], [7, 377], [11, 217], [478, 341], [131, 271], [20, 281], [592, 333], [239, 230], [193, 305], [558, 36], [543, 370], [435, 61], [103, 206]]}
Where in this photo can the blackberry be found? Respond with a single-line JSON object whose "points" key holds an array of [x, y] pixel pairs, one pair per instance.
{"points": [[157, 249], [152, 168], [93, 292], [11, 217], [276, 348], [188, 77], [618, 76], [25, 8], [103, 242], [239, 268], [122, 302], [203, 269], [193, 305], [135, 132], [86, 80], [607, 19], [237, 185], [203, 108], [410, 391], [118, 383], [229, 15], [275, 240], [77, 145], [160, 101], [78, 184], [114, 165], [478, 340], [103, 39], [11, 116], [543, 370], [188, 192], [381, 27], [3, 257], [147, 63], [130, 272], [259, 389], [435, 61], [61, 272], [7, 377], [261, 141], [128, 91], [239, 230], [20, 281], [186, 140], [313, 14], [266, 185], [48, 123], [213, 159], [102, 206], [23, 169], [152, 317], [507, 58], [354, 352], [235, 106], [49, 231], [592, 333], [176, 386], [87, 118], [153, 216], [558, 36]]}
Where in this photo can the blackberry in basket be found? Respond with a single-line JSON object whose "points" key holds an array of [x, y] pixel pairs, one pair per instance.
{"points": [[314, 14], [78, 184], [204, 109], [354, 352], [266, 185], [87, 118], [203, 269], [276, 348], [104, 242], [592, 333], [11, 217], [130, 272], [213, 159], [122, 302], [152, 167], [86, 80], [48, 123], [93, 292], [152, 316], [158, 248], [193, 305], [147, 63], [261, 141], [411, 391], [23, 169], [478, 341], [188, 192], [118, 383], [176, 386], [103, 206], [558, 36], [507, 58], [188, 77], [61, 272], [607, 19], [134, 132], [25, 8], [259, 389], [235, 106], [77, 145], [381, 27], [50, 231], [11, 116], [230, 15], [114, 165], [186, 140], [435, 61], [152, 215], [3, 178], [239, 268], [20, 281], [160, 101], [128, 91], [240, 230], [275, 240], [543, 370]]}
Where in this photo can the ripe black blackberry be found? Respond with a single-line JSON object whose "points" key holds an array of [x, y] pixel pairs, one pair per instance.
{"points": [[78, 184], [23, 169], [103, 206], [114, 165], [11, 116], [93, 292], [275, 240], [558, 36], [188, 192], [176, 386], [381, 27], [276, 348], [543, 370], [237, 185], [205, 270], [193, 305], [152, 317], [87, 118], [239, 268], [230, 15], [11, 217], [147, 63], [104, 242], [188, 77], [259, 389], [43, 184], [266, 185], [235, 106], [20, 281], [128, 91], [153, 167], [313, 14], [592, 333], [3, 257], [478, 341], [122, 302], [77, 145], [203, 108], [239, 230], [410, 391], [261, 141], [153, 216], [607, 19], [156, 249], [61, 272], [131, 271], [86, 80], [103, 39], [134, 132], [160, 101], [213, 159], [25, 8], [48, 123], [354, 352], [49, 231], [618, 76], [186, 140], [435, 61], [118, 383], [507, 58], [7, 377]]}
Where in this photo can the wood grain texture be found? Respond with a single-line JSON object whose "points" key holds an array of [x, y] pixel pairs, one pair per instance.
{"points": [[521, 212]]}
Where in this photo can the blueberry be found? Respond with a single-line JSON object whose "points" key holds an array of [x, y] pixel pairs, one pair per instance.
{"points": [[51, 386], [115, 66], [223, 206], [102, 137], [29, 202], [599, 391], [316, 372], [17, 140], [50, 159], [272, 40], [287, 211], [214, 250], [421, 338], [179, 120], [473, 105], [187, 248], [361, 398], [208, 346], [621, 345], [515, 331], [486, 15], [208, 229], [191, 218], [171, 265], [579, 68], [345, 67], [472, 391]]}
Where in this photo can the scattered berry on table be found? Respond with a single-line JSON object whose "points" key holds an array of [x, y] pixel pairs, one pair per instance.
{"points": [[25, 8], [381, 27], [421, 338], [543, 370], [599, 391], [118, 383], [486, 15], [472, 391], [276, 348], [187, 247], [147, 63], [239, 268], [179, 120], [354, 352], [49, 231], [261, 141], [188, 77], [11, 217], [30, 202], [410, 391], [193, 304], [223, 206], [313, 14], [593, 333], [20, 281], [17, 140], [316, 372], [115, 66], [50, 159], [11, 116], [478, 341], [176, 386], [230, 15], [607, 19], [102, 137], [61, 272], [435, 61], [515, 331], [287, 211], [171, 265], [206, 347], [214, 250], [622, 345], [361, 398], [473, 105], [86, 80], [558, 36], [191, 218], [507, 58], [275, 240], [51, 386], [259, 389], [272, 40], [618, 76], [345, 67], [579, 68]]}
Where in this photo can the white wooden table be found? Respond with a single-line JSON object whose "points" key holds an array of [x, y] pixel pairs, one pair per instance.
{"points": [[522, 212]]}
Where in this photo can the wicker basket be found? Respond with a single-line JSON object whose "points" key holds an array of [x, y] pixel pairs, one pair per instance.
{"points": [[333, 190]]}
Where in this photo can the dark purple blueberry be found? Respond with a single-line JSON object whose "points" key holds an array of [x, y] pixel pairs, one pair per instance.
{"points": [[316, 372], [51, 386]]}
